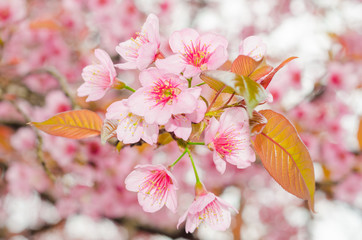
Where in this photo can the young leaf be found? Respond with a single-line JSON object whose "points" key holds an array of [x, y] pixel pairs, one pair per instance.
{"points": [[268, 78], [72, 124], [109, 130], [257, 123], [285, 156], [218, 79], [252, 91], [244, 65]]}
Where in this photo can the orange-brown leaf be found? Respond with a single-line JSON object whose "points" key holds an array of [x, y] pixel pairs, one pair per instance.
{"points": [[268, 78], [359, 134], [285, 156], [72, 124], [244, 65], [46, 23]]}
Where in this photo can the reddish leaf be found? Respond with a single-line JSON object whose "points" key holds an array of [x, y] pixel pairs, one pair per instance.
{"points": [[72, 124], [46, 23], [285, 156], [268, 78], [257, 123], [244, 65], [260, 72]]}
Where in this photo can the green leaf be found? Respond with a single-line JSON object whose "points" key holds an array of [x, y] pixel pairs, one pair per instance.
{"points": [[251, 91]]}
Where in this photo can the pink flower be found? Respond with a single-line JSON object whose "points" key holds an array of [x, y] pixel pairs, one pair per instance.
{"points": [[162, 95], [253, 47], [131, 128], [156, 186], [98, 77], [207, 208], [194, 53], [142, 51], [181, 124], [230, 139]]}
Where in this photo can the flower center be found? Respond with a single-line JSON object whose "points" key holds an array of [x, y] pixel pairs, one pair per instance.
{"points": [[196, 54], [227, 142], [156, 184], [164, 92]]}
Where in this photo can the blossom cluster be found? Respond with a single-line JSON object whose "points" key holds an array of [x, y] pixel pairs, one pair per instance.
{"points": [[170, 100]]}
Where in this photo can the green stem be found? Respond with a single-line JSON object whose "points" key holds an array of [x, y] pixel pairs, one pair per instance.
{"points": [[189, 80], [193, 166], [178, 159], [129, 88], [195, 143], [200, 84]]}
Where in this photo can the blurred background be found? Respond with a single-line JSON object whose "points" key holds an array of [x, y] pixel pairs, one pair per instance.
{"points": [[46, 43]]}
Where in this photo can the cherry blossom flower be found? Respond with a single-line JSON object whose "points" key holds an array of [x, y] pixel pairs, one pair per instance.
{"points": [[207, 208], [230, 139], [194, 53], [181, 124], [143, 50], [131, 128], [156, 187], [253, 47], [98, 77], [162, 95]]}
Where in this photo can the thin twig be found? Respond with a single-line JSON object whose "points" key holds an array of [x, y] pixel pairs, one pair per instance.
{"points": [[39, 147], [61, 80]]}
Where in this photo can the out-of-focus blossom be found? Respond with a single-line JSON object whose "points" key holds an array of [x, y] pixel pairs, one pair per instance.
{"points": [[229, 138], [141, 51], [162, 95], [131, 127], [156, 187], [23, 179], [194, 53], [98, 77], [253, 47], [207, 208], [11, 11]]}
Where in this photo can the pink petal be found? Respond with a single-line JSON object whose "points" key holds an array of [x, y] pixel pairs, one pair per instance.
{"points": [[211, 130], [213, 41], [148, 76], [218, 58], [219, 163], [149, 203], [135, 179], [191, 71], [171, 201], [179, 39], [150, 133], [253, 47], [199, 113], [126, 65], [117, 110], [146, 55], [172, 64], [201, 202], [106, 61]]}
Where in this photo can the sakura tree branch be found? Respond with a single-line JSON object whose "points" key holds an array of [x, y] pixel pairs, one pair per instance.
{"points": [[61, 80], [39, 147]]}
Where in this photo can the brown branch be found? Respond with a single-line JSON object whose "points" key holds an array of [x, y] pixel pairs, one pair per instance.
{"points": [[39, 151], [61, 80]]}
